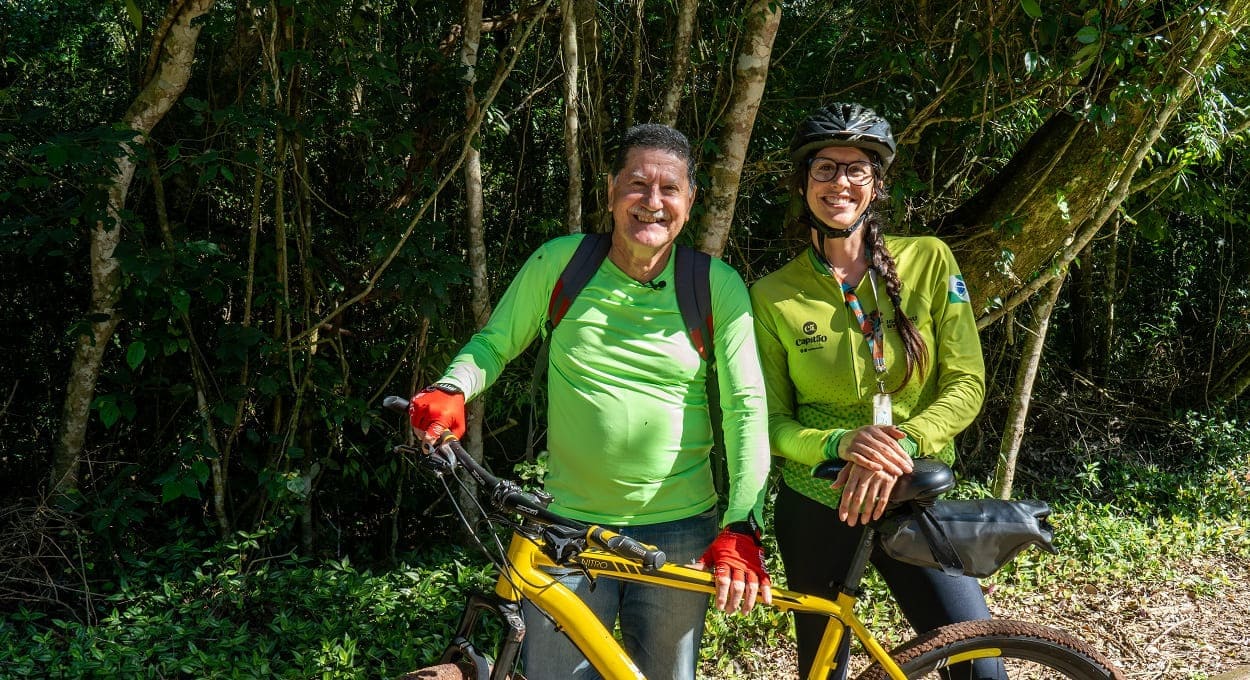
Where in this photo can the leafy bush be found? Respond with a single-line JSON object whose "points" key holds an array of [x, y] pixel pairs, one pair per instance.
{"points": [[1201, 472], [235, 618]]}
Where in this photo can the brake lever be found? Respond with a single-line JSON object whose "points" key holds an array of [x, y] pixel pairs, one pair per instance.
{"points": [[440, 463], [429, 456], [564, 545]]}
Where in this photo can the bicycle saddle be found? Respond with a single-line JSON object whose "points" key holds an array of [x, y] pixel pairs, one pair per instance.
{"points": [[928, 479]]}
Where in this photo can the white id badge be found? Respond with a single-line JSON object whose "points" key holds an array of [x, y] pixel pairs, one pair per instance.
{"points": [[882, 412]]}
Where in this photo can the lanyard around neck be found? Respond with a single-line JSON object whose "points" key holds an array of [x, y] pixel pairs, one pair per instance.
{"points": [[870, 325]]}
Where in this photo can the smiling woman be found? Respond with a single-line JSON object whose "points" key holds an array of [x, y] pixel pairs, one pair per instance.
{"points": [[841, 397]]}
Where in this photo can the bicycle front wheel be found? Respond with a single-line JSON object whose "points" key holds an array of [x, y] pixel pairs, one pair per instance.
{"points": [[465, 670], [443, 671], [1028, 652]]}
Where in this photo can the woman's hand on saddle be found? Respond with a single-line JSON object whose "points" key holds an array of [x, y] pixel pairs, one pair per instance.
{"points": [[865, 493], [876, 447], [877, 461]]}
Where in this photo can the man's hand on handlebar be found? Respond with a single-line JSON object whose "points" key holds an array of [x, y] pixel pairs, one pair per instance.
{"points": [[435, 409], [737, 560]]}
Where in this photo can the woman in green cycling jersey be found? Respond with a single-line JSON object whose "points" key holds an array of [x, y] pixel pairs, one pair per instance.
{"points": [[870, 354]]}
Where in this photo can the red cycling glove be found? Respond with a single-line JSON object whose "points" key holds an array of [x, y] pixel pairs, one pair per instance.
{"points": [[738, 557], [440, 404]]}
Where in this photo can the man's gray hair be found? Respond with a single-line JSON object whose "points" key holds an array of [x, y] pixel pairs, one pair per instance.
{"points": [[654, 136]]}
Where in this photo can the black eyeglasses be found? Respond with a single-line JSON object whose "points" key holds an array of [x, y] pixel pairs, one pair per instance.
{"points": [[858, 173]]}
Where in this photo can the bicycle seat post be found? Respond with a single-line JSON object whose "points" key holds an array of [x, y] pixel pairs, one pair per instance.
{"points": [[859, 562]]}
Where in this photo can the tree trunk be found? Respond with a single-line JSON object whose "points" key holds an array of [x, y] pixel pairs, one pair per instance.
{"points": [[1083, 301], [1235, 381], [173, 53], [750, 73], [1110, 295], [1069, 178], [476, 230], [568, 48], [680, 63], [595, 107], [635, 84], [1030, 358], [216, 463], [507, 61]]}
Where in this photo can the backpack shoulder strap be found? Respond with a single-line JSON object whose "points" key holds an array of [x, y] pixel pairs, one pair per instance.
{"points": [[694, 298], [577, 273]]}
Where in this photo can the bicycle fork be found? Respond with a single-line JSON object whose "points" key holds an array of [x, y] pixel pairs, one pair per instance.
{"points": [[462, 646]]}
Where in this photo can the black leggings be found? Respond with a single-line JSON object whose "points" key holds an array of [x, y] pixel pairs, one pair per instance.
{"points": [[816, 549]]}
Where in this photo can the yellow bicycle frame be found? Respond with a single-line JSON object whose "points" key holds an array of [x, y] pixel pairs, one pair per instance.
{"points": [[526, 579]]}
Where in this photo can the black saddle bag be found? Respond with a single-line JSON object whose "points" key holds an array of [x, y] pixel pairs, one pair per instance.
{"points": [[975, 538]]}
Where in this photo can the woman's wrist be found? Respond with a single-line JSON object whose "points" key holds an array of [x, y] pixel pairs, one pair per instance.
{"points": [[833, 442], [910, 446]]}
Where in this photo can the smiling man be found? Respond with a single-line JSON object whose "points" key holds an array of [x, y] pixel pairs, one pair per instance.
{"points": [[629, 431]]}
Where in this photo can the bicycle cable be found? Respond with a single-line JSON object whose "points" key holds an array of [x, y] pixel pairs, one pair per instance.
{"points": [[500, 562]]}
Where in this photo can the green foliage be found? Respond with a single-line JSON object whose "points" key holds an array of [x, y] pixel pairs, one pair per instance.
{"points": [[222, 612], [232, 617], [1196, 475], [1100, 544], [312, 133]]}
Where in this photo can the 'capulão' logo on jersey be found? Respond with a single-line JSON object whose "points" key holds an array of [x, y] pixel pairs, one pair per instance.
{"points": [[813, 340]]}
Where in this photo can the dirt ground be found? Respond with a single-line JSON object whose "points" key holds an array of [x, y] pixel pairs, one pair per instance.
{"points": [[1192, 626]]}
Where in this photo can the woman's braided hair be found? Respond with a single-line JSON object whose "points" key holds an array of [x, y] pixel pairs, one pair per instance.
{"points": [[883, 262]]}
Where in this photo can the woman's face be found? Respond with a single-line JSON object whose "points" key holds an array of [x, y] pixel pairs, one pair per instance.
{"points": [[839, 202]]}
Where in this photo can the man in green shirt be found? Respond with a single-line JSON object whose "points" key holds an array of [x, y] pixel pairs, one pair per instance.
{"points": [[629, 431]]}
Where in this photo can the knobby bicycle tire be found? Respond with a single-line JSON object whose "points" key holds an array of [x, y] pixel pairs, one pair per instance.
{"points": [[443, 671], [448, 671], [1029, 651]]}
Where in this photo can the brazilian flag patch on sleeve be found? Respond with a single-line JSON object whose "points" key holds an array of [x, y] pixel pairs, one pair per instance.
{"points": [[956, 289]]}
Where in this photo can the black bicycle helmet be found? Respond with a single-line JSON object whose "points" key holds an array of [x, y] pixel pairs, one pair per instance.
{"points": [[843, 125]]}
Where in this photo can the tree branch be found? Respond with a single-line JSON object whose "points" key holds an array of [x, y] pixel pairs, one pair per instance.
{"points": [[513, 52]]}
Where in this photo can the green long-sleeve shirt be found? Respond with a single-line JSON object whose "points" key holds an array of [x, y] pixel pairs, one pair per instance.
{"points": [[818, 368], [629, 431]]}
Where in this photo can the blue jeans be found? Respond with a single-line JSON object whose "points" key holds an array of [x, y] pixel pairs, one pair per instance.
{"points": [[660, 627]]}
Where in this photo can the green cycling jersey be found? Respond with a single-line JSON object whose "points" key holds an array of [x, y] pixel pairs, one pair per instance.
{"points": [[818, 368], [629, 431]]}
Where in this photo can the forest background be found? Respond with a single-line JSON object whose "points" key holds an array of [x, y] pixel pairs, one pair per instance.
{"points": [[227, 229]]}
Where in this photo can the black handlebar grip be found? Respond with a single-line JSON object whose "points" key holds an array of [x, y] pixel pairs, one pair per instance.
{"points": [[396, 404], [651, 558]]}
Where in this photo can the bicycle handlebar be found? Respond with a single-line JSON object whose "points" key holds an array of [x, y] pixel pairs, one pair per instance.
{"points": [[507, 495], [624, 546]]}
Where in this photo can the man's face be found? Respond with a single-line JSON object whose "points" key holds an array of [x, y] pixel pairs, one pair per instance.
{"points": [[650, 199]]}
